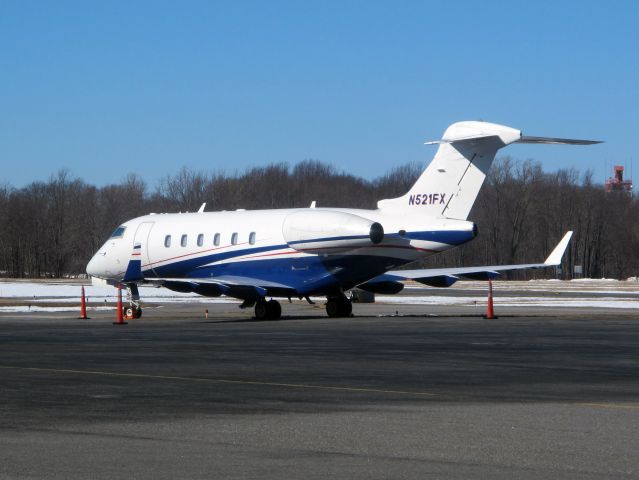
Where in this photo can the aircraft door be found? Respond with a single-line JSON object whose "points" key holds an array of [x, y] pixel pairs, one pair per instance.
{"points": [[142, 238]]}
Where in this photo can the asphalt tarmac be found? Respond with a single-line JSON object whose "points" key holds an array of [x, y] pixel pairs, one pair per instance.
{"points": [[175, 395]]}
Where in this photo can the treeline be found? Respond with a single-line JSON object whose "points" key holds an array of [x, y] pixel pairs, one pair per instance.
{"points": [[53, 228], [522, 212]]}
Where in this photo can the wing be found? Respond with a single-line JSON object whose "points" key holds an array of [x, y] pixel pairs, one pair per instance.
{"points": [[445, 277], [244, 288]]}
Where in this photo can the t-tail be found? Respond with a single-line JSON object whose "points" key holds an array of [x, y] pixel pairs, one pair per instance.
{"points": [[450, 184]]}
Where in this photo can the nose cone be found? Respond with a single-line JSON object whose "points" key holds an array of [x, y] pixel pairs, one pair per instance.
{"points": [[96, 266]]}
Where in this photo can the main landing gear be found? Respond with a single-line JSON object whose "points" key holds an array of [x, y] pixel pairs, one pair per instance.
{"points": [[336, 306], [339, 306], [268, 310]]}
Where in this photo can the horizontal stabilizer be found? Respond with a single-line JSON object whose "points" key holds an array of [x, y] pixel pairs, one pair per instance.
{"points": [[556, 141], [468, 140], [522, 139]]}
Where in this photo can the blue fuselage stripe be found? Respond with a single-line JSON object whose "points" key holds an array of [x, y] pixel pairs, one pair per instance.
{"points": [[306, 274]]}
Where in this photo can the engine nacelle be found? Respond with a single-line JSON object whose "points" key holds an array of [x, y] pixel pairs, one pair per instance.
{"points": [[325, 231]]}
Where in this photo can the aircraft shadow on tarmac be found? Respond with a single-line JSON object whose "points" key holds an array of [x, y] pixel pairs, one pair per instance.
{"points": [[286, 318]]}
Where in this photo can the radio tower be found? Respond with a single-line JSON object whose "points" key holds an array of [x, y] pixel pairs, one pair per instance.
{"points": [[616, 183]]}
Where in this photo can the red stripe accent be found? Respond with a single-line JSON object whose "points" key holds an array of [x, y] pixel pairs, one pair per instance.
{"points": [[274, 254], [371, 246], [194, 253], [405, 247]]}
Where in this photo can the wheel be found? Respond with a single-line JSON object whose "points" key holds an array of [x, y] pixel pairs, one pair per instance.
{"points": [[332, 308], [261, 310], [129, 312], [339, 307], [273, 310], [138, 312], [346, 308]]}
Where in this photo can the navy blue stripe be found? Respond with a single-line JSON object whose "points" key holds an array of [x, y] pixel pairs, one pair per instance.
{"points": [[309, 275], [454, 237], [181, 267], [329, 239], [451, 237], [190, 267]]}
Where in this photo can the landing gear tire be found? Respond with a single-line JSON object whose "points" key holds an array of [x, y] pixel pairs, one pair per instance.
{"points": [[131, 312], [271, 310], [339, 307], [260, 310]]}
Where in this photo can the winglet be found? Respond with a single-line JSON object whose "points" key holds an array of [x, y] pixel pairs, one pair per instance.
{"points": [[201, 210], [555, 256]]}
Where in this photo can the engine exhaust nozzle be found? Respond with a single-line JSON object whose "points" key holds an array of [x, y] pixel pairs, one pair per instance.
{"points": [[376, 233]]}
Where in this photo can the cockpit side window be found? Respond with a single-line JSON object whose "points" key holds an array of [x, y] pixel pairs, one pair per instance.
{"points": [[118, 232]]}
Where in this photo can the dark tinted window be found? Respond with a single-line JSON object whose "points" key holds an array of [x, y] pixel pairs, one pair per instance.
{"points": [[118, 232], [167, 241]]}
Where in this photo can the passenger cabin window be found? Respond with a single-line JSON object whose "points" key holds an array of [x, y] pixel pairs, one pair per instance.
{"points": [[118, 232], [167, 241], [234, 239], [252, 238], [200, 240], [216, 240], [183, 240]]}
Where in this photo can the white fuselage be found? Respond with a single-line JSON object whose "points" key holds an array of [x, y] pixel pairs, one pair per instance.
{"points": [[257, 244]]}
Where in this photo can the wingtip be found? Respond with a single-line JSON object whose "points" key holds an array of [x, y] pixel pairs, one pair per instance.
{"points": [[558, 252]]}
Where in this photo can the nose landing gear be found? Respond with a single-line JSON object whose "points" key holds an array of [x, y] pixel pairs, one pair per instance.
{"points": [[133, 310]]}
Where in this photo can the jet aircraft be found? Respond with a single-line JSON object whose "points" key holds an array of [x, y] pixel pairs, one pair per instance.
{"points": [[257, 256]]}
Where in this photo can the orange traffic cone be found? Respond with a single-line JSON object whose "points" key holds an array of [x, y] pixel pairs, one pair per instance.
{"points": [[83, 306], [120, 316], [490, 312]]}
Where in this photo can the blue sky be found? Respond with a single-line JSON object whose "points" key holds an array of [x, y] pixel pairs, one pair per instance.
{"points": [[108, 88]]}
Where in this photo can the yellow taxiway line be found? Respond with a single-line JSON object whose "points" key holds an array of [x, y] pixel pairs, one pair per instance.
{"points": [[217, 380]]}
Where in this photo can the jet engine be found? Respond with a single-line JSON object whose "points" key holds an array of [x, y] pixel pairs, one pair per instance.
{"points": [[326, 231]]}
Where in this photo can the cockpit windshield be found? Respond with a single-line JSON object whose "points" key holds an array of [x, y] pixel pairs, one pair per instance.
{"points": [[118, 232]]}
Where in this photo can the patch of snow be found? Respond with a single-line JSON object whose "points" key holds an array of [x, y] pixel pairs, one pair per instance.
{"points": [[35, 308], [52, 290], [604, 302], [577, 280]]}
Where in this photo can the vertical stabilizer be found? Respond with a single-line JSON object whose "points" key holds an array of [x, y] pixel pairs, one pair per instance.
{"points": [[450, 184]]}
